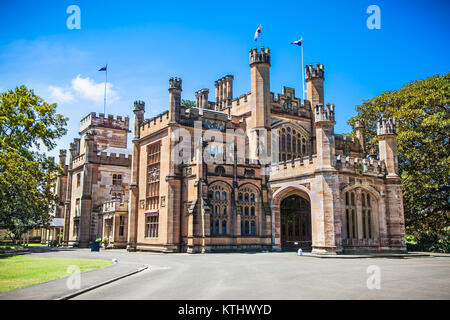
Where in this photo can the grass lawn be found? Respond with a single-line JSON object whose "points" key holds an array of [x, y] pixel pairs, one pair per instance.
{"points": [[22, 271]]}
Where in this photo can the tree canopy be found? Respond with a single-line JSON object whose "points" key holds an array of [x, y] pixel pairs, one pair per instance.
{"points": [[28, 125], [188, 103], [423, 124]]}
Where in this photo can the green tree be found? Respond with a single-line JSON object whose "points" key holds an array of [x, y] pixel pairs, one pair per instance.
{"points": [[27, 125], [423, 124], [188, 103]]}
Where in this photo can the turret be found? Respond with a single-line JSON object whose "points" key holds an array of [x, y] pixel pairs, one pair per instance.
{"points": [[359, 130], [314, 78], [260, 87], [62, 157], [387, 142], [174, 99], [324, 123], [139, 110]]}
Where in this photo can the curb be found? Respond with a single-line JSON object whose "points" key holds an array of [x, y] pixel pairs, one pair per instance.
{"points": [[398, 256], [77, 293]]}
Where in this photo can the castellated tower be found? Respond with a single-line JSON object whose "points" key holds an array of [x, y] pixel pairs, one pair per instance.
{"points": [[108, 132], [260, 87], [324, 120], [314, 78], [174, 99]]}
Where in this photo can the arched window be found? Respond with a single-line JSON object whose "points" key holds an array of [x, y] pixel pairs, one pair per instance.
{"points": [[249, 210], [219, 203], [290, 145], [359, 213]]}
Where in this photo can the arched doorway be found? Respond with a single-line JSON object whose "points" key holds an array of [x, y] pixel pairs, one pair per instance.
{"points": [[295, 214]]}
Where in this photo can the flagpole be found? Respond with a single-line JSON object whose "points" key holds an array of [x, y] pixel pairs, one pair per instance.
{"points": [[303, 74], [106, 81], [260, 34]]}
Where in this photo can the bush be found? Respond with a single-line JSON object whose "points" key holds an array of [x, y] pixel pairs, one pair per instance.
{"points": [[429, 242]]}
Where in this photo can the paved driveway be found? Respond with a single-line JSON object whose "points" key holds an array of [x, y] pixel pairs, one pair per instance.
{"points": [[269, 276]]}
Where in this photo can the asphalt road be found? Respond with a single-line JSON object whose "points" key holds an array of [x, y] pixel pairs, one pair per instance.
{"points": [[270, 276]]}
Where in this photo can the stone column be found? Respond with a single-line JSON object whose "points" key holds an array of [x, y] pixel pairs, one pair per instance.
{"points": [[133, 204]]}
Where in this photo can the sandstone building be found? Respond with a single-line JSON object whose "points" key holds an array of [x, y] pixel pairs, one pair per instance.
{"points": [[94, 188], [258, 171]]}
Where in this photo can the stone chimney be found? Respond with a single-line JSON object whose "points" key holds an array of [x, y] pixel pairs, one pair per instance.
{"points": [[202, 98]]}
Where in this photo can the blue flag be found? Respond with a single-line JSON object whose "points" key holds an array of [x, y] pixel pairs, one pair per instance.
{"points": [[104, 68], [298, 42]]}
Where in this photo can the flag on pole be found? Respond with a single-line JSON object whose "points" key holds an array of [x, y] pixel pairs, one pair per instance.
{"points": [[257, 33], [298, 42], [104, 68]]}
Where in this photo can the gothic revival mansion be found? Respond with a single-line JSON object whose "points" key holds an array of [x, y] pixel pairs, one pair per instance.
{"points": [[261, 171]]}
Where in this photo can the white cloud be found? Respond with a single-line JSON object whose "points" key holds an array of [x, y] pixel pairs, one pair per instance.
{"points": [[88, 89], [61, 95], [84, 88]]}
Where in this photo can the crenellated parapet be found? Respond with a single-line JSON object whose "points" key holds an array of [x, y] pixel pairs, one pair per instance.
{"points": [[118, 159], [360, 165], [154, 124], [317, 72], [175, 83], [94, 120], [262, 56], [139, 105], [386, 126], [324, 114], [243, 99]]}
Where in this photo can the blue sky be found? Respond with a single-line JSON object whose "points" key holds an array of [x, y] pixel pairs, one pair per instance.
{"points": [[146, 42]]}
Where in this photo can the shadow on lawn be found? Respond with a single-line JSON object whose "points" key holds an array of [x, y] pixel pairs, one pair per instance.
{"points": [[24, 251]]}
